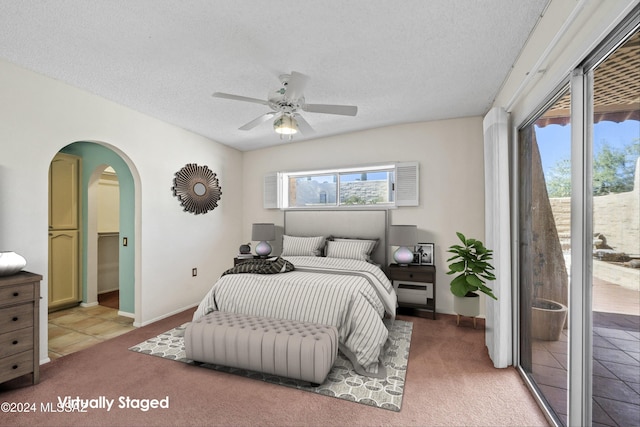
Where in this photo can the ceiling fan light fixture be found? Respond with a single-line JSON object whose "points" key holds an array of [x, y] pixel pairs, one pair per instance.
{"points": [[285, 125]]}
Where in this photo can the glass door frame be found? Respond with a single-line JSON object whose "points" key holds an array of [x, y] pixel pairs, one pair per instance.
{"points": [[566, 86], [580, 352], [580, 333]]}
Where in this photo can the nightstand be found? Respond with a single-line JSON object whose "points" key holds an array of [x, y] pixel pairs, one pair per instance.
{"points": [[415, 287], [238, 260]]}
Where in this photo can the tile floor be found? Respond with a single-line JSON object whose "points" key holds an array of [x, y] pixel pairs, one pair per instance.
{"points": [[77, 328], [616, 362]]}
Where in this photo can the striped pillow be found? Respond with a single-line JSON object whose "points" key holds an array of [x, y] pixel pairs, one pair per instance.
{"points": [[302, 246], [351, 249]]}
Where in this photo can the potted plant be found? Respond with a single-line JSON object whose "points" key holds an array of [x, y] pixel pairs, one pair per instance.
{"points": [[547, 317], [470, 261]]}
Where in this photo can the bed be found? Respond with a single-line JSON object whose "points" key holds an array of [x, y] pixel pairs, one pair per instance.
{"points": [[338, 282]]}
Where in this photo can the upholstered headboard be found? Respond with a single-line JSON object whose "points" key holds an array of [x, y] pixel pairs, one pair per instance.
{"points": [[355, 224]]}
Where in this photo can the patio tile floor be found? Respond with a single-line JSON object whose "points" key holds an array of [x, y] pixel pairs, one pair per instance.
{"points": [[616, 370]]}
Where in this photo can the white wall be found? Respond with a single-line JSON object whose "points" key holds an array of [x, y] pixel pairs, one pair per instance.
{"points": [[450, 153], [39, 116], [108, 211], [108, 263], [108, 204]]}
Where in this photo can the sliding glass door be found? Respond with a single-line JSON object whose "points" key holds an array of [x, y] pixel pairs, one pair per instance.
{"points": [[544, 159], [615, 275], [578, 215]]}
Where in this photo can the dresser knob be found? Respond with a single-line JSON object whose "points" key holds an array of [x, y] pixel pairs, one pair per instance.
{"points": [[15, 294], [15, 319], [411, 275], [14, 367], [15, 342]]}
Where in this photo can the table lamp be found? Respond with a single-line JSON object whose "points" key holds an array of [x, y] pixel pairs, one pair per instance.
{"points": [[263, 233], [405, 237]]}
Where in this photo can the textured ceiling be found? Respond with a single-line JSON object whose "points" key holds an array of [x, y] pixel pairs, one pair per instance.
{"points": [[398, 61]]}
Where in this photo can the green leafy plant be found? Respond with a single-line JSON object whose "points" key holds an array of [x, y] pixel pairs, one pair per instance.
{"points": [[471, 263]]}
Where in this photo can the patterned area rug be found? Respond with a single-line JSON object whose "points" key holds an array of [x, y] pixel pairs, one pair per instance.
{"points": [[342, 382]]}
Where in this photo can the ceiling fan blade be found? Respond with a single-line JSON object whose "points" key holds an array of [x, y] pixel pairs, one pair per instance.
{"points": [[295, 86], [343, 110], [255, 122], [303, 125], [239, 98]]}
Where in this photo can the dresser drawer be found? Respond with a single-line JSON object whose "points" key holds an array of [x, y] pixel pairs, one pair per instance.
{"points": [[16, 317], [413, 292], [414, 276], [16, 342], [19, 334], [16, 365], [16, 294]]}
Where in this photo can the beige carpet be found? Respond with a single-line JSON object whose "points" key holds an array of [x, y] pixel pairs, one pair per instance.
{"points": [[450, 381], [342, 382]]}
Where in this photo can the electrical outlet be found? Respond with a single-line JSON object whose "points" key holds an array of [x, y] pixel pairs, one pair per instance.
{"points": [[125, 241], [194, 272]]}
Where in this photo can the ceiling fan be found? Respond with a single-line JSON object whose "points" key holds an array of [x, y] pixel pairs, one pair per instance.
{"points": [[286, 104]]}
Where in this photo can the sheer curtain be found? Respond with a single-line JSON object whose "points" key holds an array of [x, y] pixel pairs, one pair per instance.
{"points": [[499, 314]]}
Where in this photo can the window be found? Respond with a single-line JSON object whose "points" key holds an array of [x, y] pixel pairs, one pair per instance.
{"points": [[340, 188], [348, 187]]}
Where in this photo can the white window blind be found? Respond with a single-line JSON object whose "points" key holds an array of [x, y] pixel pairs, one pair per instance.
{"points": [[407, 184], [270, 191]]}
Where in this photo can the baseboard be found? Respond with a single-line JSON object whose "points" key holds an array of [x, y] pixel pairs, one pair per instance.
{"points": [[453, 313], [164, 316], [88, 304], [108, 290], [126, 314]]}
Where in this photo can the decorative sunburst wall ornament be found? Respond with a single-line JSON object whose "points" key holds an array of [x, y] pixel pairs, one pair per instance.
{"points": [[197, 188]]}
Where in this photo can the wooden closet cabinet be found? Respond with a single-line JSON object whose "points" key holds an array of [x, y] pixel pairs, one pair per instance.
{"points": [[64, 232], [19, 326]]}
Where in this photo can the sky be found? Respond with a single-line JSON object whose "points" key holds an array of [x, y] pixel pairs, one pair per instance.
{"points": [[554, 141]]}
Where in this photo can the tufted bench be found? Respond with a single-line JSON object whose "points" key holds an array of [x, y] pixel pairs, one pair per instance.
{"points": [[287, 348]]}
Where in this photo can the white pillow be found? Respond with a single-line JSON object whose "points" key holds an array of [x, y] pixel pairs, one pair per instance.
{"points": [[351, 249], [302, 246]]}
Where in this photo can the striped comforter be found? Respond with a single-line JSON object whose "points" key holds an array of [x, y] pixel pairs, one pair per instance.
{"points": [[351, 295]]}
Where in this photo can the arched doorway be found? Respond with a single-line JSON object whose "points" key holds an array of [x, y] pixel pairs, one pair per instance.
{"points": [[103, 228], [95, 158]]}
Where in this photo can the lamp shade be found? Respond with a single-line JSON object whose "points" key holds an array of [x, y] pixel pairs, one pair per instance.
{"points": [[403, 235], [285, 125], [263, 232]]}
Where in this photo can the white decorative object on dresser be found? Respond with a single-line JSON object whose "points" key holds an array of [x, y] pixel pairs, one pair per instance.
{"points": [[19, 323]]}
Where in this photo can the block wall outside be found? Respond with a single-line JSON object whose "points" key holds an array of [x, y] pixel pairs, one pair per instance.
{"points": [[616, 216], [370, 191]]}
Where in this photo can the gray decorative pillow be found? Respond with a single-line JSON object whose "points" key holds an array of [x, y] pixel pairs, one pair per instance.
{"points": [[351, 249], [302, 246]]}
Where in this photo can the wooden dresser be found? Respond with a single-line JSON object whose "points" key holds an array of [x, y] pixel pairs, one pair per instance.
{"points": [[19, 326]]}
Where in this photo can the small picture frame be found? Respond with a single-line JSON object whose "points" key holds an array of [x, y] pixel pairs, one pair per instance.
{"points": [[416, 258], [424, 254]]}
